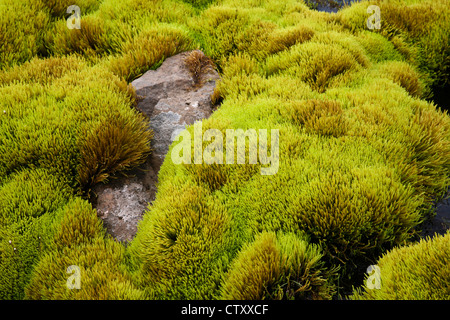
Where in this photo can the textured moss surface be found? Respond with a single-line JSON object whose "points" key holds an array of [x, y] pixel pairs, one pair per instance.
{"points": [[416, 272]]}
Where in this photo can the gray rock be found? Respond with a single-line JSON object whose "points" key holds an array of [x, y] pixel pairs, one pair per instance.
{"points": [[440, 223], [172, 101]]}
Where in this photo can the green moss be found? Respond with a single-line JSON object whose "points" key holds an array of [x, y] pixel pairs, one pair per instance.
{"points": [[73, 224], [25, 201], [354, 166], [378, 48], [33, 133], [283, 267], [58, 8], [115, 143], [426, 26], [334, 200], [138, 13], [147, 50], [96, 37], [41, 71], [417, 272], [314, 63], [41, 220], [317, 116], [102, 275], [199, 3], [183, 246], [419, 24], [22, 26]]}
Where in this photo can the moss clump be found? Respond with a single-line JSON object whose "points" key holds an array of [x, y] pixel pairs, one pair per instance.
{"points": [[283, 267], [355, 151], [147, 51], [405, 76], [102, 274], [419, 271], [226, 31], [27, 200], [22, 26], [199, 3], [314, 63], [95, 37], [49, 108], [318, 116], [58, 8], [41, 71], [418, 30], [112, 145], [34, 135], [184, 245], [198, 65]]}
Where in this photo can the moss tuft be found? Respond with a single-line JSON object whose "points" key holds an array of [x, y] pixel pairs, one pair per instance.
{"points": [[198, 65], [416, 272], [112, 145], [283, 267], [147, 51], [102, 274]]}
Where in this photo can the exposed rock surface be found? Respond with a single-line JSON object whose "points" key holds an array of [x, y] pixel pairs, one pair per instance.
{"points": [[441, 222], [172, 101], [329, 5]]}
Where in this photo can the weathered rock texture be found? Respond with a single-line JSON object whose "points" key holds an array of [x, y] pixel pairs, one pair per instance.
{"points": [[171, 100]]}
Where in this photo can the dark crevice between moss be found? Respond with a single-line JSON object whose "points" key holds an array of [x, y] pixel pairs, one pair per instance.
{"points": [[440, 96], [441, 222]]}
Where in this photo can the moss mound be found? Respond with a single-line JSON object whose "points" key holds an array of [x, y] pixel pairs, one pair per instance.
{"points": [[287, 267], [416, 272]]}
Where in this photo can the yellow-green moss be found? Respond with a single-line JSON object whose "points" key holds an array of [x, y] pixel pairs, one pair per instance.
{"points": [[147, 51], [49, 125], [419, 271], [420, 24], [26, 200], [102, 274], [314, 63], [22, 25], [58, 8], [283, 267], [41, 71], [183, 246]]}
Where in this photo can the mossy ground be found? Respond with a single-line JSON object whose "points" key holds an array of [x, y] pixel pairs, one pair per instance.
{"points": [[363, 154]]}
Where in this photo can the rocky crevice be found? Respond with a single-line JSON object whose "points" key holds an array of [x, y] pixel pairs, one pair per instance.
{"points": [[172, 100]]}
